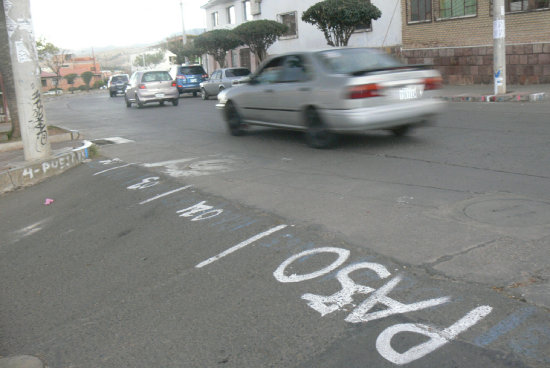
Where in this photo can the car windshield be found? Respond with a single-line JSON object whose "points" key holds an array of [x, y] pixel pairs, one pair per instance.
{"points": [[156, 77], [191, 70], [349, 61], [120, 78], [237, 73]]}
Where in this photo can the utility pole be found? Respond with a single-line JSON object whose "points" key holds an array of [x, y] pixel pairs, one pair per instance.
{"points": [[26, 75], [183, 35], [499, 47]]}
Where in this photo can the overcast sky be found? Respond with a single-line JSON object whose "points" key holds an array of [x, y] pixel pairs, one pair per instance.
{"points": [[79, 24]]}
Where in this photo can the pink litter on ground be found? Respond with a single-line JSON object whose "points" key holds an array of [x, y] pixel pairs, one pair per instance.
{"points": [[48, 201]]}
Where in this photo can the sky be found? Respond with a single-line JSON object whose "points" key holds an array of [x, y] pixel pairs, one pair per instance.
{"points": [[80, 24]]}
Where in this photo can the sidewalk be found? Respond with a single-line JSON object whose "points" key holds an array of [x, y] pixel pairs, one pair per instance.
{"points": [[485, 93]]}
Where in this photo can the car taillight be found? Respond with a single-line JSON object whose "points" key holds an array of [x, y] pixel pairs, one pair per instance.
{"points": [[173, 83], [182, 77], [433, 83], [142, 86], [364, 91], [205, 76]]}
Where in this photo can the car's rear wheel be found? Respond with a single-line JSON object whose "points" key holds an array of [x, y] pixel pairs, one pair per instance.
{"points": [[128, 103], [175, 101], [401, 130], [139, 103], [204, 95], [317, 134], [194, 94], [234, 122], [161, 103]]}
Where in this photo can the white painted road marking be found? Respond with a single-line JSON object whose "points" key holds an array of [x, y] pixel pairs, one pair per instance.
{"points": [[165, 194], [437, 338], [112, 168], [241, 245]]}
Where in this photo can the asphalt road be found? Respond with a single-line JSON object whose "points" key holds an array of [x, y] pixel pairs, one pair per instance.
{"points": [[188, 247]]}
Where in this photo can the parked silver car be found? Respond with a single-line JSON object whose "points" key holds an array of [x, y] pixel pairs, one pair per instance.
{"points": [[333, 91], [222, 79], [151, 86]]}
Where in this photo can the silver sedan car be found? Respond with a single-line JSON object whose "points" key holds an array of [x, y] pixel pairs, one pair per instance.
{"points": [[151, 86], [324, 93], [222, 79]]}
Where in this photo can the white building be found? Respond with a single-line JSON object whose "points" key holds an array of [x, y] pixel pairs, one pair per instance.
{"points": [[383, 32], [168, 60]]}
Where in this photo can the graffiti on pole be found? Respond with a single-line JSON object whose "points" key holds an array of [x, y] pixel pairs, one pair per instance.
{"points": [[38, 119]]}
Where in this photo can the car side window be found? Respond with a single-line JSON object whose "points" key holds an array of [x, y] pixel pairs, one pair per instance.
{"points": [[216, 75], [271, 72], [295, 70]]}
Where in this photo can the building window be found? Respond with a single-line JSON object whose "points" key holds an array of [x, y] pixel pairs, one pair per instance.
{"points": [[525, 5], [420, 10], [247, 10], [231, 15], [457, 8], [289, 19], [215, 19]]}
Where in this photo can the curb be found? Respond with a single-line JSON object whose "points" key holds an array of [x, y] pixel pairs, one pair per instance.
{"points": [[34, 172], [21, 361], [519, 97], [71, 135]]}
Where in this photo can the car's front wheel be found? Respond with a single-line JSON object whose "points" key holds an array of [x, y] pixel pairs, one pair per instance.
{"points": [[234, 122], [317, 134], [204, 95]]}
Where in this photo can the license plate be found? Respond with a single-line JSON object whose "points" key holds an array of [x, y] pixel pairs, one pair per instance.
{"points": [[409, 93], [193, 80], [159, 95]]}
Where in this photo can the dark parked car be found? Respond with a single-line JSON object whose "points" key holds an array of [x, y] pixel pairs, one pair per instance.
{"points": [[188, 78], [117, 84]]}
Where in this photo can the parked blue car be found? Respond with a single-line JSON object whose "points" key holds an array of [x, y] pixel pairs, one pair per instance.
{"points": [[188, 78]]}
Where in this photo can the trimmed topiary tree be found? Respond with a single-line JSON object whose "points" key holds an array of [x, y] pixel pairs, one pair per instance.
{"points": [[259, 35], [216, 43], [338, 19]]}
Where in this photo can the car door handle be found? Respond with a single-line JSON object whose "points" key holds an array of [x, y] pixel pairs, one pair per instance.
{"points": [[304, 89]]}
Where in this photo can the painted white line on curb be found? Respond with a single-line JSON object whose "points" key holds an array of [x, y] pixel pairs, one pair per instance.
{"points": [[240, 245]]}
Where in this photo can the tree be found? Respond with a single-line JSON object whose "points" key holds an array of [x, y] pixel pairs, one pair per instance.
{"points": [[87, 78], [71, 77], [259, 35], [189, 51], [51, 56], [217, 43], [146, 60], [338, 19]]}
